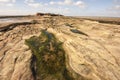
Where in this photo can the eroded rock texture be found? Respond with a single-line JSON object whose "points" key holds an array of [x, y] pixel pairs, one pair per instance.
{"points": [[92, 48], [15, 57]]}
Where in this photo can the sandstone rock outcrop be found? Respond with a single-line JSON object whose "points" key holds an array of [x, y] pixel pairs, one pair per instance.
{"points": [[92, 48], [15, 56]]}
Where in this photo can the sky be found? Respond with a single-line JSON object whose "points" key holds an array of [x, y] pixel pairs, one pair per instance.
{"points": [[108, 8]]}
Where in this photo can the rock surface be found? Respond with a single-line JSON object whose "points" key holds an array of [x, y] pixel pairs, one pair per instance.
{"points": [[92, 48]]}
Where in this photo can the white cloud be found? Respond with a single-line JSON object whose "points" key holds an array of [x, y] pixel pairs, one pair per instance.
{"points": [[65, 2], [56, 10], [9, 12], [52, 2], [29, 1], [117, 7], [68, 2], [4, 0], [15, 12], [7, 2], [46, 4], [79, 3], [13, 1], [114, 10], [32, 3], [116, 1]]}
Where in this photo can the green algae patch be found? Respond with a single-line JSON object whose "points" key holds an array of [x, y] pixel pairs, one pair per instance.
{"points": [[50, 57]]}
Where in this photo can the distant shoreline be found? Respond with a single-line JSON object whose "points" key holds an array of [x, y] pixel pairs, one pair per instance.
{"points": [[16, 16], [110, 20]]}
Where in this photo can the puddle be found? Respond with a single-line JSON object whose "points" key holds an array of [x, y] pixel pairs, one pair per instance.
{"points": [[78, 32]]}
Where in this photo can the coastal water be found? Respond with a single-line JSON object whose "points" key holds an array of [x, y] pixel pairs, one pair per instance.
{"points": [[9, 20]]}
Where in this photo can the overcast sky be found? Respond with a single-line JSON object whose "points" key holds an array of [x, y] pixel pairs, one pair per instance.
{"points": [[65, 7]]}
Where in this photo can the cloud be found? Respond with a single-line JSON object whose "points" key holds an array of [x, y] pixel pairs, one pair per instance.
{"points": [[7, 2], [114, 9], [29, 1], [15, 12], [32, 3], [116, 1], [46, 7], [9, 12], [57, 10], [65, 2], [79, 3], [68, 2], [117, 7], [52, 2], [4, 0], [10, 4]]}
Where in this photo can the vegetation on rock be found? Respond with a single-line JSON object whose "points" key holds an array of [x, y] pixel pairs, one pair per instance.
{"points": [[50, 57]]}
